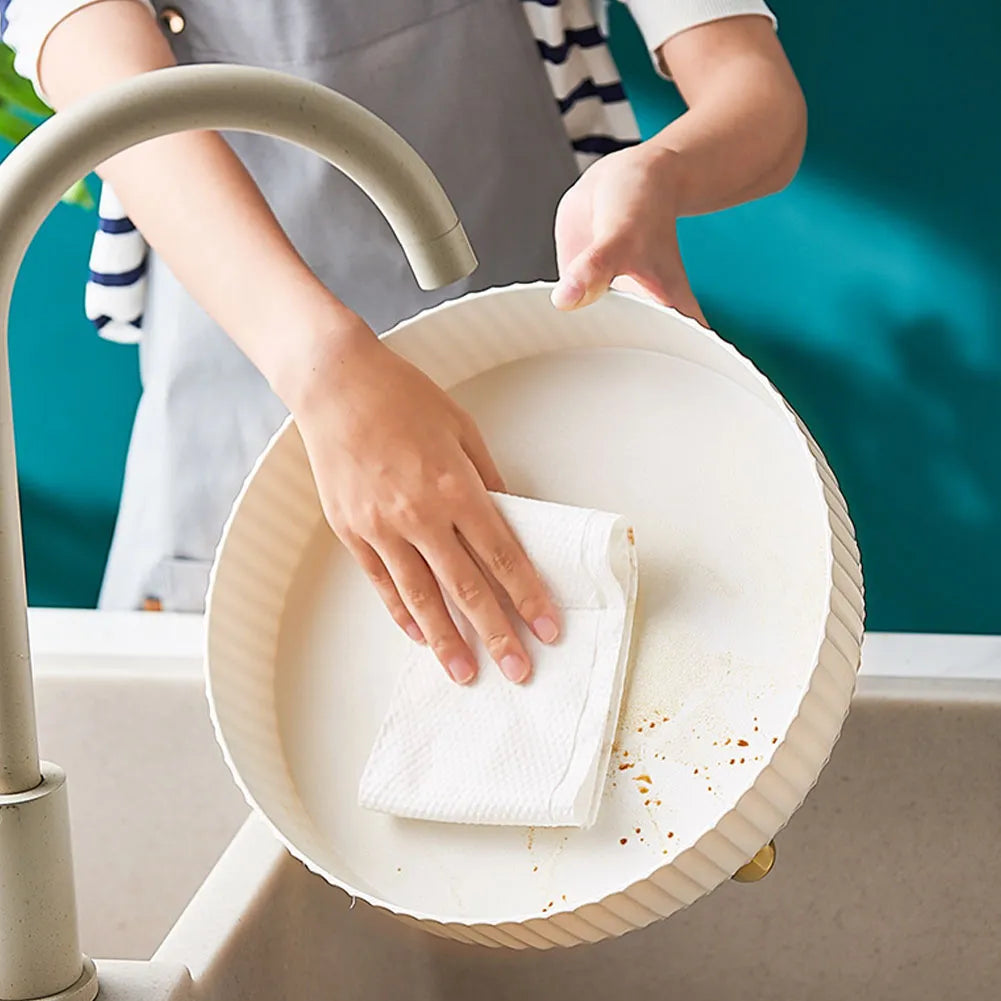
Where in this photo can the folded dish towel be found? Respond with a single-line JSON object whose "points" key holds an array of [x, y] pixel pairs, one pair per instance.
{"points": [[533, 754]]}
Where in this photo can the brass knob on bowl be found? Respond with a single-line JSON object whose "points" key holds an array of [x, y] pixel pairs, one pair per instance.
{"points": [[173, 20], [759, 866]]}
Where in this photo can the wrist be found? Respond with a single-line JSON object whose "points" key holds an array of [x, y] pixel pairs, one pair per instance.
{"points": [[314, 354], [669, 173]]}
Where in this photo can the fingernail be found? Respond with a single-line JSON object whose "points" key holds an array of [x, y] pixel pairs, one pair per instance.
{"points": [[461, 670], [514, 668], [415, 634], [546, 629], [567, 293]]}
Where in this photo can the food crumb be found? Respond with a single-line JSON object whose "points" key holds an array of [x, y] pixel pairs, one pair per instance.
{"points": [[646, 802], [657, 802], [755, 729], [637, 830], [652, 725], [625, 754], [741, 760], [644, 789], [643, 778], [775, 740], [535, 868], [399, 869], [625, 765], [742, 743], [622, 841], [639, 729], [563, 896], [666, 719], [696, 771], [733, 761]]}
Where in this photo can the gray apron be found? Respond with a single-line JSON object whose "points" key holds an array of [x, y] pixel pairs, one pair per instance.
{"points": [[462, 81]]}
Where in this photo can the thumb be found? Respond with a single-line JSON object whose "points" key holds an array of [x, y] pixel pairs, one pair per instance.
{"points": [[587, 277]]}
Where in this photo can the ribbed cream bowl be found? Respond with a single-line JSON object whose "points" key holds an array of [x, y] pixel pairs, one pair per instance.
{"points": [[748, 630]]}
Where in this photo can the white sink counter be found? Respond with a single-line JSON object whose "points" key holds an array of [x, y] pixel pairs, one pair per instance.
{"points": [[887, 885]]}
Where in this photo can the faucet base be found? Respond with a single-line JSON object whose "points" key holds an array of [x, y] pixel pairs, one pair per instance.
{"points": [[39, 946], [85, 989]]}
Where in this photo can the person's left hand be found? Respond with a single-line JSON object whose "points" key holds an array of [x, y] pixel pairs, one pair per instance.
{"points": [[617, 226]]}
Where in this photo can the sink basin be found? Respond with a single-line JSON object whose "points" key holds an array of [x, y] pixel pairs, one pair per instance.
{"points": [[886, 884]]}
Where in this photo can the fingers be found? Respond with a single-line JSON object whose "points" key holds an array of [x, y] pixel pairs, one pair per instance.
{"points": [[368, 559], [476, 449], [496, 547], [587, 277], [421, 595], [602, 266], [463, 579]]}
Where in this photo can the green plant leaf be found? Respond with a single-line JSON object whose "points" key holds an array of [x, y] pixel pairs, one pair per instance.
{"points": [[13, 128], [16, 90], [79, 195]]}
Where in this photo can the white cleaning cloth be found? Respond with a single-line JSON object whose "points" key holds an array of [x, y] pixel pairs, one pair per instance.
{"points": [[534, 754]]}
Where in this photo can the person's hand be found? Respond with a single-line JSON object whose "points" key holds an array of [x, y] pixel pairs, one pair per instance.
{"points": [[616, 227], [403, 475]]}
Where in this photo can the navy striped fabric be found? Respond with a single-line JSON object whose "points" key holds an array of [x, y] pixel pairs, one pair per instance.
{"points": [[586, 87], [115, 225], [582, 37], [118, 279], [608, 93]]}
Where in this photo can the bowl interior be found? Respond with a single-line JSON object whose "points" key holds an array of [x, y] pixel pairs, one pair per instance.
{"points": [[623, 407]]}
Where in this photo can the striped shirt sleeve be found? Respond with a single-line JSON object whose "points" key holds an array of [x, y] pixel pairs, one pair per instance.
{"points": [[26, 24]]}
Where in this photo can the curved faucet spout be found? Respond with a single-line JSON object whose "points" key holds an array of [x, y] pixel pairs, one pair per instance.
{"points": [[72, 143]]}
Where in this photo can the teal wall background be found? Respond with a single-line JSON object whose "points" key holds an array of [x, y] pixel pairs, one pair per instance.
{"points": [[868, 291]]}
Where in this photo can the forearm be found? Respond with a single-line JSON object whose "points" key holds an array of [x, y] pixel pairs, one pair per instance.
{"points": [[193, 200], [743, 134]]}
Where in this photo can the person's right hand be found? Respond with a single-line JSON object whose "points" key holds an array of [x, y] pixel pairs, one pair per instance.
{"points": [[403, 475]]}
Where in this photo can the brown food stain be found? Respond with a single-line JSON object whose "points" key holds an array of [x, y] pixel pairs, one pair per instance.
{"points": [[670, 834], [775, 740], [644, 789], [637, 830], [531, 838], [742, 743], [741, 760], [696, 772], [631, 536], [727, 741], [646, 802], [535, 868], [666, 719], [643, 778], [657, 802], [733, 761], [622, 841], [625, 765]]}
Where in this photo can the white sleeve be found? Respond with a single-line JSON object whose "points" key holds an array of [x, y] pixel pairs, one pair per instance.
{"points": [[29, 24], [660, 20]]}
